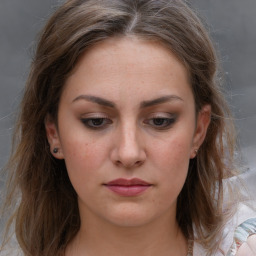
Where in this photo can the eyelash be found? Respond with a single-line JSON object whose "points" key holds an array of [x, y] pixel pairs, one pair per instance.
{"points": [[88, 122], [102, 122], [165, 122]]}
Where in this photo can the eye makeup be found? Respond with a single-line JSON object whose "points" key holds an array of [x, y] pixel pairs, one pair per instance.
{"points": [[161, 121], [96, 123]]}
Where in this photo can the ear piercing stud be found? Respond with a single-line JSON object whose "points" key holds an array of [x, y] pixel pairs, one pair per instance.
{"points": [[196, 150], [55, 150]]}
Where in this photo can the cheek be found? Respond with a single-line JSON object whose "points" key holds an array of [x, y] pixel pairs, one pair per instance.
{"points": [[83, 158], [173, 154], [172, 161]]}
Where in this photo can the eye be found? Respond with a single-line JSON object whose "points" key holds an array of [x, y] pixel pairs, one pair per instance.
{"points": [[160, 123], [96, 123]]}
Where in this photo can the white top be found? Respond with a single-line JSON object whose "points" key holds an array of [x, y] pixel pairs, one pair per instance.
{"points": [[244, 213]]}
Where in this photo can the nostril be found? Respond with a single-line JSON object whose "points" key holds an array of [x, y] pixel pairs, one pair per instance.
{"points": [[139, 163], [128, 151], [131, 164]]}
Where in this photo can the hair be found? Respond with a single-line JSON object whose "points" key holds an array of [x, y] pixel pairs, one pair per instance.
{"points": [[46, 214]]}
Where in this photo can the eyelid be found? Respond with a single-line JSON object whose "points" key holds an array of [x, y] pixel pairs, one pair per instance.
{"points": [[104, 122], [168, 119], [94, 115], [162, 115], [89, 118]]}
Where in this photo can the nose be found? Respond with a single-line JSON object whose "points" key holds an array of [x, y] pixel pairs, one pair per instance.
{"points": [[128, 150]]}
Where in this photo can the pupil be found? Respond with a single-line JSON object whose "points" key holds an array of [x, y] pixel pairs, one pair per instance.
{"points": [[159, 121], [97, 121]]}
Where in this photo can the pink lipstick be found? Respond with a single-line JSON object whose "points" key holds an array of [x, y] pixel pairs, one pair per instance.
{"points": [[128, 187]]}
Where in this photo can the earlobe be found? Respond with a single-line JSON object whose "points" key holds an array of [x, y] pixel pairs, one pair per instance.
{"points": [[53, 137], [203, 121]]}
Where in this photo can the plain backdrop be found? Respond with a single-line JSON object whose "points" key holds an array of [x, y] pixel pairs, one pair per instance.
{"points": [[232, 24]]}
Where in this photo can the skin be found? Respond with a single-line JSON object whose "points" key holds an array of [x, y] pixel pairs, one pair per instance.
{"points": [[133, 138], [248, 248]]}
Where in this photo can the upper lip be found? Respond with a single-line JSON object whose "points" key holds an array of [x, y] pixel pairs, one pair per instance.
{"points": [[128, 182]]}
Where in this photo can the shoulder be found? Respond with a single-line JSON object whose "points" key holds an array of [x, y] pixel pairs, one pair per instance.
{"points": [[11, 248], [245, 228], [11, 251], [236, 232]]}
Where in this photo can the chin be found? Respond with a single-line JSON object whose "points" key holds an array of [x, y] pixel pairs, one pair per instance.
{"points": [[130, 216]]}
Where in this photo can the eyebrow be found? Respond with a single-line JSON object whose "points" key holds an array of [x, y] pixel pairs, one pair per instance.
{"points": [[96, 99], [143, 104], [164, 99]]}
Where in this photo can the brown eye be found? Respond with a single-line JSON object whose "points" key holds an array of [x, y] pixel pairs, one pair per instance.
{"points": [[96, 123], [160, 122]]}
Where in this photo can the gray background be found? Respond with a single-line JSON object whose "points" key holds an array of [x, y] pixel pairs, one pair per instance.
{"points": [[232, 24]]}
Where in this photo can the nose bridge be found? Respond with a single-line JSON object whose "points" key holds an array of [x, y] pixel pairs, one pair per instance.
{"points": [[128, 133], [129, 149]]}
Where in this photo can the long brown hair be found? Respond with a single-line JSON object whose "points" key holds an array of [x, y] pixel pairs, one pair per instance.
{"points": [[46, 216]]}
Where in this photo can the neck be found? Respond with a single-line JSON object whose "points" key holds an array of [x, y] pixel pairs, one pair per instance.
{"points": [[161, 237]]}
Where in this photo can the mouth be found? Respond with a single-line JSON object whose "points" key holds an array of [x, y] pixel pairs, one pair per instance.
{"points": [[128, 187]]}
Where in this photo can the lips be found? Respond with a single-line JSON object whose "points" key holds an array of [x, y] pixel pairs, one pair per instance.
{"points": [[128, 187]]}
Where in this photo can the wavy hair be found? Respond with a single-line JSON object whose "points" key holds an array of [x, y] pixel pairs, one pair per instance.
{"points": [[46, 214]]}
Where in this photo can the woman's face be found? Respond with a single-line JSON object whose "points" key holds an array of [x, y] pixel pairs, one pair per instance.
{"points": [[127, 129]]}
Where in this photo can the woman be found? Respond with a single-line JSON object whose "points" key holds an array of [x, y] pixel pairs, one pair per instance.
{"points": [[124, 139]]}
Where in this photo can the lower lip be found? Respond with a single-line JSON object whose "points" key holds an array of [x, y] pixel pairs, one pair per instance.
{"points": [[128, 190]]}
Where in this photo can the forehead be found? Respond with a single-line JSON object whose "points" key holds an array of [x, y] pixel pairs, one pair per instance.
{"points": [[129, 51], [117, 64]]}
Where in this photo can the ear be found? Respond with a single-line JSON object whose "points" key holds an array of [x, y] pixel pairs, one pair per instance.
{"points": [[203, 121], [53, 137]]}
